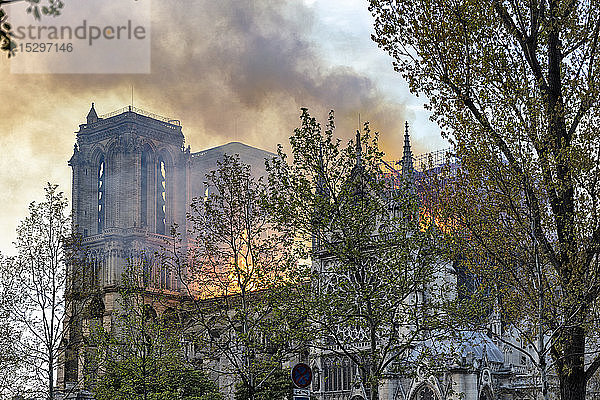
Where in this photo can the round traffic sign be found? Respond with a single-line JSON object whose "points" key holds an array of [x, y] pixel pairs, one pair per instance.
{"points": [[301, 375]]}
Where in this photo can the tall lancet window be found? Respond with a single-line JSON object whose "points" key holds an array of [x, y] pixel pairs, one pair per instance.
{"points": [[101, 194], [144, 190], [161, 196]]}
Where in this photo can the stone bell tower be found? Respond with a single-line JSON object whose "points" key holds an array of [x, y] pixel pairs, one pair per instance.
{"points": [[129, 184], [130, 180]]}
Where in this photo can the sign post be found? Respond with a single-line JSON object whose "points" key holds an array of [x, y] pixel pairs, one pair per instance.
{"points": [[301, 377]]}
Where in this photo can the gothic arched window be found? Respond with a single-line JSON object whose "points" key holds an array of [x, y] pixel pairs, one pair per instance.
{"points": [[327, 375], [96, 271], [337, 374], [146, 270], [346, 374], [165, 278], [161, 196], [101, 194], [486, 394], [144, 190]]}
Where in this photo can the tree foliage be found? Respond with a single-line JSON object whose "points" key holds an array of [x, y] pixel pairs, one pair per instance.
{"points": [[140, 355], [161, 381], [514, 86], [240, 269], [40, 307], [277, 385], [37, 8], [375, 261], [10, 377]]}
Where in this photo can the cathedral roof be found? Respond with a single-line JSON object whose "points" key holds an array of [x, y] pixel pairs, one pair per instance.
{"points": [[232, 148], [204, 161], [467, 344]]}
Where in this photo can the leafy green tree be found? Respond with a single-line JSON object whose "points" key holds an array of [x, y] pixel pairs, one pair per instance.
{"points": [[161, 381], [277, 385], [41, 307], [141, 356], [375, 263], [35, 8], [10, 378], [240, 270], [514, 86]]}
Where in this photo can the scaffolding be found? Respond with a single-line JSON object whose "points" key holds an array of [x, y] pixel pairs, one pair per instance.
{"points": [[423, 162], [435, 159], [425, 166]]}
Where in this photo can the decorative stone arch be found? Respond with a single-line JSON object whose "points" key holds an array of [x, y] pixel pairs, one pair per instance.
{"points": [[486, 391], [98, 178], [112, 149], [95, 308], [149, 313], [425, 391], [148, 143], [113, 159], [93, 269], [96, 152], [166, 155], [425, 387]]}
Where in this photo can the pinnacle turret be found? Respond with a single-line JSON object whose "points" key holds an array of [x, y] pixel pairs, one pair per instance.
{"points": [[358, 149], [407, 158], [407, 161], [92, 115]]}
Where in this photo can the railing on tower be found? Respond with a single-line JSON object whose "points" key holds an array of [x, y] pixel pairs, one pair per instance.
{"points": [[141, 112]]}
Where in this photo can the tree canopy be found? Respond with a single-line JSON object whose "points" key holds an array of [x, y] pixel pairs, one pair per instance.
{"points": [[376, 272], [240, 269], [514, 87], [163, 381], [35, 8]]}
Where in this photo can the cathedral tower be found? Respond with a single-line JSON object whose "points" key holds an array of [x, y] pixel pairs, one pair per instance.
{"points": [[132, 181], [129, 185]]}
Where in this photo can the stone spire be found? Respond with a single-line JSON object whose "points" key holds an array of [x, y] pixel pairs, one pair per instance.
{"points": [[321, 201], [358, 150], [407, 157], [92, 116], [358, 178], [321, 185]]}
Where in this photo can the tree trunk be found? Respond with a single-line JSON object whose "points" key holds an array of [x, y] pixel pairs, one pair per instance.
{"points": [[51, 378], [571, 375], [374, 391], [373, 382]]}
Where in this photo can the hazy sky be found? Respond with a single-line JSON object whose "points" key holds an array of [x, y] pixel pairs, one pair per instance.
{"points": [[230, 70]]}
